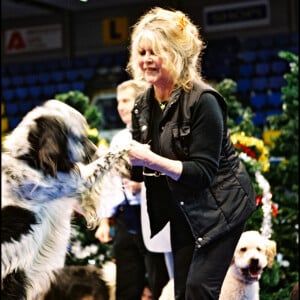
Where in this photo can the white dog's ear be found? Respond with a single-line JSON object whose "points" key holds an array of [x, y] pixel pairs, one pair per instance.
{"points": [[270, 252]]}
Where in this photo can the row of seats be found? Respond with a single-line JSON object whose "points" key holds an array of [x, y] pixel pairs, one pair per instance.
{"points": [[88, 61], [279, 40], [260, 84], [36, 91], [42, 78], [276, 67], [263, 100]]}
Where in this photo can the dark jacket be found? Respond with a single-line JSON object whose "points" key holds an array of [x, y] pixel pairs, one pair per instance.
{"points": [[214, 190]]}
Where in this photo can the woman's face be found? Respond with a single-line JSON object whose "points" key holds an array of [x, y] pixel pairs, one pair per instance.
{"points": [[151, 65]]}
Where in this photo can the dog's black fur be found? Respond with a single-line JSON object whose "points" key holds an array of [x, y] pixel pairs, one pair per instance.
{"points": [[48, 166], [77, 282]]}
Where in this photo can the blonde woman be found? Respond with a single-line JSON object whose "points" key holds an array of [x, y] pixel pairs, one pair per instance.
{"points": [[181, 149]]}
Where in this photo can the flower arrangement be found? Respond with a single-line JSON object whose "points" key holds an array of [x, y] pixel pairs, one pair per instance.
{"points": [[255, 157]]}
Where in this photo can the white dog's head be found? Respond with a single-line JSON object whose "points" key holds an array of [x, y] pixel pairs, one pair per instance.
{"points": [[51, 138], [252, 254]]}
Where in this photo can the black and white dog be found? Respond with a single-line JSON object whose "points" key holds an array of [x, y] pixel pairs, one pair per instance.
{"points": [[48, 166]]}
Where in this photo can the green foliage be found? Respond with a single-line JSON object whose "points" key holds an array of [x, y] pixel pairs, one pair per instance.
{"points": [[84, 247], [239, 117], [276, 283], [81, 102], [283, 177]]}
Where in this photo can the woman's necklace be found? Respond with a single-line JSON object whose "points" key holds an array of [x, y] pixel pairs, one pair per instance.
{"points": [[162, 104]]}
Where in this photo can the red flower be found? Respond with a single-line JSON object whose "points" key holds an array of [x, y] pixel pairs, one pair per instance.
{"points": [[247, 150], [258, 200], [274, 209]]}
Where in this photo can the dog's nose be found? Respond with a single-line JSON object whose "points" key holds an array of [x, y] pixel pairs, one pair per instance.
{"points": [[254, 261]]}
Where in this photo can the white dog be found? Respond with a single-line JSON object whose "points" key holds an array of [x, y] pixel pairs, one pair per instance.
{"points": [[47, 169], [252, 254]]}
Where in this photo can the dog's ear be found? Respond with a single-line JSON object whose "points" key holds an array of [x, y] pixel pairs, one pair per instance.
{"points": [[270, 252], [49, 141]]}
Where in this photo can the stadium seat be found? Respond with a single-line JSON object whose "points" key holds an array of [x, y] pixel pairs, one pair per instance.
{"points": [[259, 84], [247, 56], [274, 99], [30, 79], [44, 77], [12, 108], [276, 82], [262, 69], [258, 100], [35, 91], [264, 55], [17, 80], [246, 70], [8, 94], [243, 85], [21, 93], [258, 118], [279, 67]]}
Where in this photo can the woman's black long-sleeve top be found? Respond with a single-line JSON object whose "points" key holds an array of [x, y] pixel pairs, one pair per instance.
{"points": [[214, 191]]}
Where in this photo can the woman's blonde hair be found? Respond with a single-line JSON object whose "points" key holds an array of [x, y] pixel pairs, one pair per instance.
{"points": [[175, 38]]}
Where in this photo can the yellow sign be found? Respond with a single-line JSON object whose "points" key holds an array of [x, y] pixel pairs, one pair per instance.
{"points": [[115, 30]]}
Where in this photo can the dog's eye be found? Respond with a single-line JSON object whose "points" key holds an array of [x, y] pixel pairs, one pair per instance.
{"points": [[258, 249], [244, 249]]}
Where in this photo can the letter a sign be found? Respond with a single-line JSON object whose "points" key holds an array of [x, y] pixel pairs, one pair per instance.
{"points": [[115, 30]]}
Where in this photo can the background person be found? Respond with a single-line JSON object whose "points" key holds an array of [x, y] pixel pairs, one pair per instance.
{"points": [[183, 152]]}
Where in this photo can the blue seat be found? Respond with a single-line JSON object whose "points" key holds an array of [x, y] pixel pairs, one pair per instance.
{"points": [[79, 62], [21, 93], [5, 81], [12, 108], [14, 122], [78, 86], [8, 94], [87, 73], [63, 87], [264, 55], [276, 82], [93, 60], [30, 79], [243, 85], [274, 99], [44, 77], [57, 76], [26, 106], [279, 67], [258, 118], [258, 100], [106, 60], [49, 91], [72, 75], [247, 56], [272, 112], [262, 69], [17, 80], [35, 91], [259, 84]]}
